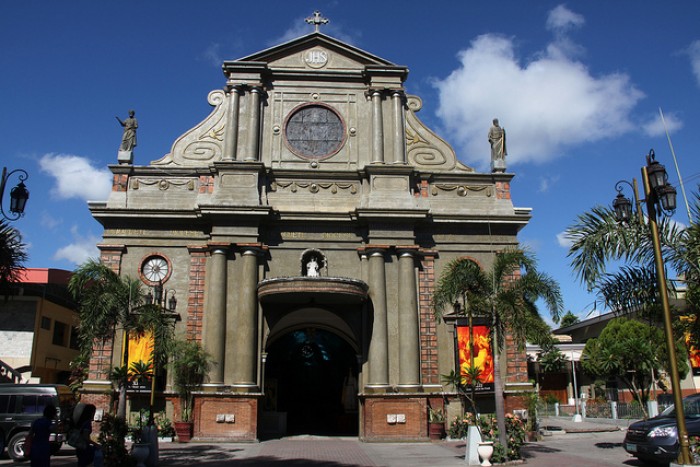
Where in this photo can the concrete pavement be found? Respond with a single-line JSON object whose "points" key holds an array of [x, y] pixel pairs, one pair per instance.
{"points": [[584, 444]]}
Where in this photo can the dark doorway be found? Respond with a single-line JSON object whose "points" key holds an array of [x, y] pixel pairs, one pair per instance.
{"points": [[311, 376]]}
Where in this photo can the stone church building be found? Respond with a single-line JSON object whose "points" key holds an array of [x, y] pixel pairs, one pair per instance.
{"points": [[302, 227]]}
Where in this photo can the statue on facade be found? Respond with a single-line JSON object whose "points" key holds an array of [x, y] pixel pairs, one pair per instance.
{"points": [[312, 268], [497, 139], [126, 148]]}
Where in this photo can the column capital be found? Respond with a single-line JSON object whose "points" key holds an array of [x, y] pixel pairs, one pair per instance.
{"points": [[372, 92], [258, 89], [373, 249], [256, 248], [407, 250], [234, 88], [213, 246]]}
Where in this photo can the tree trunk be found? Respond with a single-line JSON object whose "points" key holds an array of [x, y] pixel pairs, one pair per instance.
{"points": [[498, 388], [121, 403]]}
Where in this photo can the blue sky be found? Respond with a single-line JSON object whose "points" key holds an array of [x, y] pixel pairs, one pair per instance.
{"points": [[576, 85]]}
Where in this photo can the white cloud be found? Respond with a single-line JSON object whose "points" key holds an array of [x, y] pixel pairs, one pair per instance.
{"points": [[694, 54], [546, 105], [48, 221], [82, 248], [76, 177], [564, 241], [546, 183], [561, 19], [655, 126], [212, 54]]}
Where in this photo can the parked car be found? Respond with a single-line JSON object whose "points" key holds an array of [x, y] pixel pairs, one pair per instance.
{"points": [[656, 439], [21, 404]]}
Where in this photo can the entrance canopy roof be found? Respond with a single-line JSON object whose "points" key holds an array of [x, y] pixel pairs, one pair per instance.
{"points": [[323, 290]]}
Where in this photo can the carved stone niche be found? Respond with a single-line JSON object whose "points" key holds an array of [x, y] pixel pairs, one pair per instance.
{"points": [[313, 263]]}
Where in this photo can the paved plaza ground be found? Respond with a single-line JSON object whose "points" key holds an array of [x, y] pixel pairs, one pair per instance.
{"points": [[571, 445]]}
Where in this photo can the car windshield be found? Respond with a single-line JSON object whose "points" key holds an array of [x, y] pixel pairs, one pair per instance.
{"points": [[691, 408]]}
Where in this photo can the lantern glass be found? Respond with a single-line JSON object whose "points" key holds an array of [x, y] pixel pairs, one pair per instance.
{"points": [[657, 175], [18, 198], [667, 197], [622, 207]]}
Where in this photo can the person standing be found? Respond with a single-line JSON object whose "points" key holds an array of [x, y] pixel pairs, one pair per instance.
{"points": [[40, 454], [86, 451]]}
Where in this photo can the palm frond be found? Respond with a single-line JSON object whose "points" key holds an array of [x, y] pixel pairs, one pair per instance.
{"points": [[12, 254], [597, 237], [630, 289]]}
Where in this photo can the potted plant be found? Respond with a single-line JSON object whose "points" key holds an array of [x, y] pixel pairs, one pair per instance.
{"points": [[436, 423], [190, 364]]}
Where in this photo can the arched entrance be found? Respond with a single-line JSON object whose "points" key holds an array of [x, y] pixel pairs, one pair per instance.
{"points": [[311, 376]]}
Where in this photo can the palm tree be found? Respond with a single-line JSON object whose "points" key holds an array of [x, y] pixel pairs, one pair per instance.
{"points": [[507, 294], [106, 302], [12, 255], [599, 240]]}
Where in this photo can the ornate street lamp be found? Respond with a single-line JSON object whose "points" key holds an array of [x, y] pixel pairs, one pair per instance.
{"points": [[18, 195], [659, 193]]}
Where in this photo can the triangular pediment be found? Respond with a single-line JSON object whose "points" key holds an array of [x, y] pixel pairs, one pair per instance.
{"points": [[282, 52]]}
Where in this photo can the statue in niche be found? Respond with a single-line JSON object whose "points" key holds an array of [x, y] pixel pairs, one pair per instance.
{"points": [[126, 148], [497, 139], [312, 267]]}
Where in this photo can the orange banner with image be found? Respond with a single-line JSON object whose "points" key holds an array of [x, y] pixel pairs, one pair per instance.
{"points": [[483, 356], [140, 350]]}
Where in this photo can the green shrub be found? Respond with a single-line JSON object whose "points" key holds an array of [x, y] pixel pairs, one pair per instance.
{"points": [[515, 432], [113, 432]]}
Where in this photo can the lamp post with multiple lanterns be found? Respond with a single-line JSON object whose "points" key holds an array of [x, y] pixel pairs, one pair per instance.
{"points": [[167, 307], [18, 195], [658, 193]]}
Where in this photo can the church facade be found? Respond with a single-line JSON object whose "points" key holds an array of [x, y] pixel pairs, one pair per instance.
{"points": [[302, 227]]}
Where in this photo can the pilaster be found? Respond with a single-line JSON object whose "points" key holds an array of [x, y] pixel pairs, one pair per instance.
{"points": [[379, 346], [409, 353]]}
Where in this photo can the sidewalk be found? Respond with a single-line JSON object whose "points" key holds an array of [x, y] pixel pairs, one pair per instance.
{"points": [[593, 443], [554, 425]]}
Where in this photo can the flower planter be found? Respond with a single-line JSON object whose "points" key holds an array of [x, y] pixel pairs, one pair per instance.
{"points": [[183, 430], [485, 450]]}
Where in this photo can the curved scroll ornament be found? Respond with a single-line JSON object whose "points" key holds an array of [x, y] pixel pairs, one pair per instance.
{"points": [[204, 143], [425, 148]]}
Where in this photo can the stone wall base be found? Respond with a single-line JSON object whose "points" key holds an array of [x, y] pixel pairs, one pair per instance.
{"points": [[395, 417], [226, 417]]}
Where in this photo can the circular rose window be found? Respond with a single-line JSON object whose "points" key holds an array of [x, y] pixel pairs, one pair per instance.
{"points": [[155, 269], [314, 132]]}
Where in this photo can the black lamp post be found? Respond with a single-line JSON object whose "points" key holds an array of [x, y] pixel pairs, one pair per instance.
{"points": [[157, 296], [659, 193], [18, 195]]}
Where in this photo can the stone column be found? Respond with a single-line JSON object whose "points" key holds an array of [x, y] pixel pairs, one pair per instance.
{"points": [[231, 138], [399, 128], [253, 124], [409, 346], [242, 329], [214, 332], [379, 345], [377, 128]]}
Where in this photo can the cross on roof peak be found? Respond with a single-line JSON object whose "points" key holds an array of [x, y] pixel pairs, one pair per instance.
{"points": [[317, 20]]}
